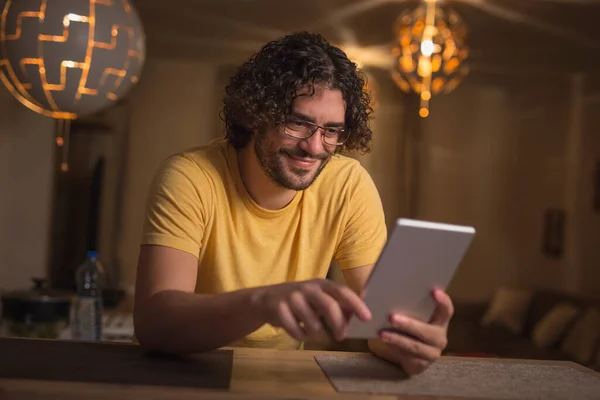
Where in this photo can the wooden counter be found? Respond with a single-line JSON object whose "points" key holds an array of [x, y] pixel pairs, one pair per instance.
{"points": [[257, 374]]}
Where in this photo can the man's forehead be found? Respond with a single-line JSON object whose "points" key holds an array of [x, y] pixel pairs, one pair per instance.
{"points": [[326, 105]]}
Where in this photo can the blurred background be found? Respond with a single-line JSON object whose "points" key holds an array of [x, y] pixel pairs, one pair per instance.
{"points": [[513, 149]]}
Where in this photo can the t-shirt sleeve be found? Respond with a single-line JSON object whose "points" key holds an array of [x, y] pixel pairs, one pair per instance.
{"points": [[365, 231], [178, 203]]}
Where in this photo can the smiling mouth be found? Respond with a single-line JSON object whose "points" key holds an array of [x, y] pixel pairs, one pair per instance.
{"points": [[302, 161]]}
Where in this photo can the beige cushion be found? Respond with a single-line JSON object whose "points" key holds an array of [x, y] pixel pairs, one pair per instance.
{"points": [[582, 339], [508, 308], [551, 327]]}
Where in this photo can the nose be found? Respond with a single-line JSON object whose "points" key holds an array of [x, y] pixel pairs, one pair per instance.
{"points": [[314, 144]]}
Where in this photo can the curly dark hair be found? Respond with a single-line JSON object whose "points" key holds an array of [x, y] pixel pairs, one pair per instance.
{"points": [[263, 89]]}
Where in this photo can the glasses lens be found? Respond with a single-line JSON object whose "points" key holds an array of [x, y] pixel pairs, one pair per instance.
{"points": [[336, 139], [302, 130], [297, 129]]}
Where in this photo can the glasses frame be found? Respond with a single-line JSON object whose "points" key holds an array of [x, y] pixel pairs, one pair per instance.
{"points": [[314, 129]]}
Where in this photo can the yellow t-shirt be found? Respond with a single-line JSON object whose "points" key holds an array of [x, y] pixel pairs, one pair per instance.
{"points": [[199, 204]]}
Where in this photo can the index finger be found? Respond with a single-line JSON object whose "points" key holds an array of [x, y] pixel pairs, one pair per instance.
{"points": [[444, 309], [348, 299]]}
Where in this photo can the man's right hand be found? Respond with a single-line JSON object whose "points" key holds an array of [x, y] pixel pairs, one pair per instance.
{"points": [[300, 308]]}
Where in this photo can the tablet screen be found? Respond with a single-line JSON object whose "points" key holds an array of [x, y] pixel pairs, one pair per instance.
{"points": [[418, 257]]}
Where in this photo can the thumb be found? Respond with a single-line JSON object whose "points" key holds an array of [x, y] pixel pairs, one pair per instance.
{"points": [[444, 309]]}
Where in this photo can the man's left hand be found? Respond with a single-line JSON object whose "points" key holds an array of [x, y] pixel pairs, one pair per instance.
{"points": [[423, 343]]}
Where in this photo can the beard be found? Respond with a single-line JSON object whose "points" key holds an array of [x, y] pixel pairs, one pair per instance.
{"points": [[273, 162]]}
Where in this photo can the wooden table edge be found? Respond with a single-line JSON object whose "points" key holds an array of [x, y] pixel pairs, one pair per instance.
{"points": [[241, 385]]}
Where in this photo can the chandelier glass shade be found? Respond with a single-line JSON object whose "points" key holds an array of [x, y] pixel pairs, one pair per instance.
{"points": [[429, 51]]}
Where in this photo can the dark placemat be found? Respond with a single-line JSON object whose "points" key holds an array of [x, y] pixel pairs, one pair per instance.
{"points": [[111, 363], [471, 379]]}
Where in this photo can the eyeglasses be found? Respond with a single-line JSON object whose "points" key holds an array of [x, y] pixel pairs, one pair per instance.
{"points": [[301, 129]]}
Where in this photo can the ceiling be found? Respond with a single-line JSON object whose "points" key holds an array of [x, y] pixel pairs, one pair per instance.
{"points": [[505, 36]]}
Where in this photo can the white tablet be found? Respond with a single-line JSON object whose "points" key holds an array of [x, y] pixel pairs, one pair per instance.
{"points": [[417, 257]]}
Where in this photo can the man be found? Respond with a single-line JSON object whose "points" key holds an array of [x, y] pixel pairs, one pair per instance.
{"points": [[240, 233]]}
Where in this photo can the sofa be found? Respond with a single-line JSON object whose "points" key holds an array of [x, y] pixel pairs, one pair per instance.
{"points": [[525, 323]]}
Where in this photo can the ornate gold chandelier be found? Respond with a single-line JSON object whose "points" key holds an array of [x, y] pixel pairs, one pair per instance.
{"points": [[429, 51]]}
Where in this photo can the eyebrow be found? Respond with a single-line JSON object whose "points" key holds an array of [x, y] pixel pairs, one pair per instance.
{"points": [[314, 121]]}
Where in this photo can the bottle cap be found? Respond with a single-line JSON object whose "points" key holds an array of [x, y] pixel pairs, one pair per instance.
{"points": [[92, 254]]}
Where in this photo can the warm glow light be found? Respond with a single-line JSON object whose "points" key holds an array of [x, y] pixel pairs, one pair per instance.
{"points": [[25, 14], [429, 51], [427, 48], [77, 18], [88, 54], [60, 141]]}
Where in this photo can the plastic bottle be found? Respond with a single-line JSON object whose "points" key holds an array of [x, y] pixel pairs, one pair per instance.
{"points": [[86, 321]]}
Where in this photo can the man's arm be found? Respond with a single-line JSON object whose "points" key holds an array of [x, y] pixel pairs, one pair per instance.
{"points": [[169, 317]]}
